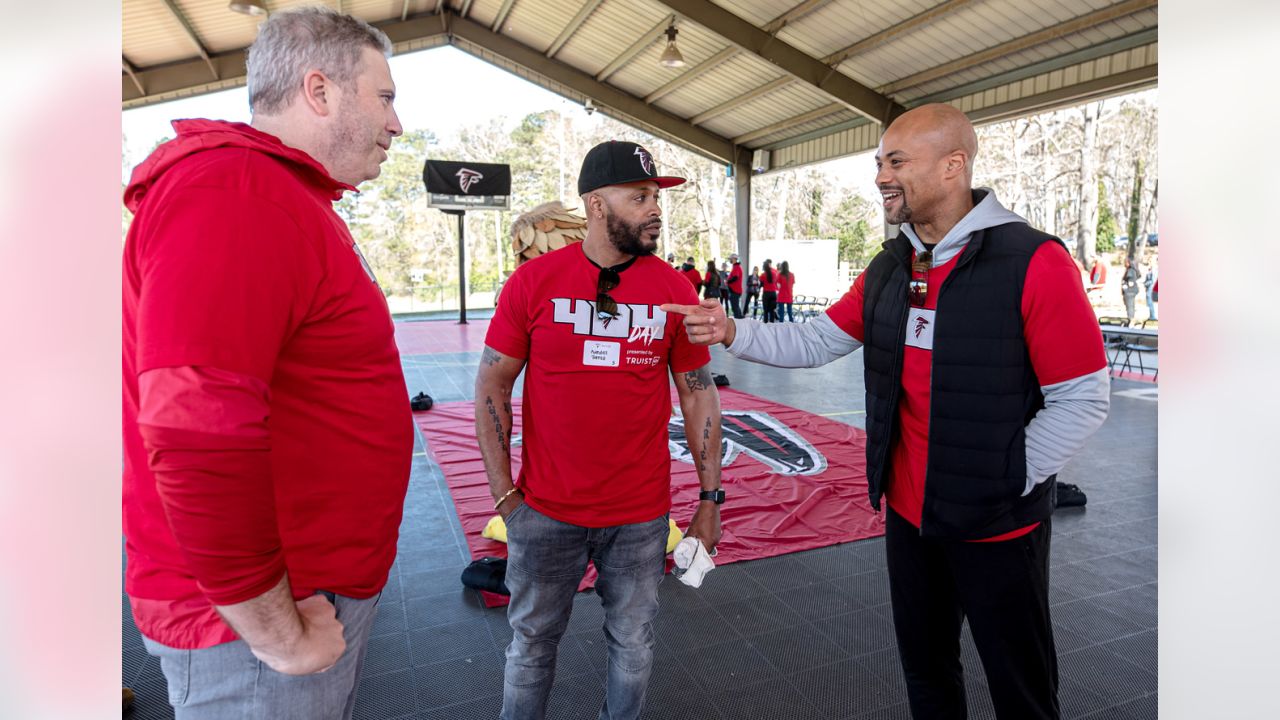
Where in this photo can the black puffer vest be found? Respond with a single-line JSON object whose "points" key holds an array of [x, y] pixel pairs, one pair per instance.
{"points": [[984, 391]]}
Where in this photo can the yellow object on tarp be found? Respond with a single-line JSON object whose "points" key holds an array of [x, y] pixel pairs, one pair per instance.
{"points": [[496, 529]]}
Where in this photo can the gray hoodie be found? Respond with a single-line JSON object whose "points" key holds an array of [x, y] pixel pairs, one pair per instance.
{"points": [[1073, 409]]}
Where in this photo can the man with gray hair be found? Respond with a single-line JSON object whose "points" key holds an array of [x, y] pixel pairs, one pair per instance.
{"points": [[266, 430]]}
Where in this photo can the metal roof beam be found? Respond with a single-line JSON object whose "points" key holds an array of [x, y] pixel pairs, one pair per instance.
{"points": [[792, 15], [133, 74], [767, 130], [612, 100], [636, 48], [692, 74], [741, 100], [840, 87], [503, 12], [191, 77], [893, 31], [1084, 22], [1093, 52], [588, 7], [191, 35]]}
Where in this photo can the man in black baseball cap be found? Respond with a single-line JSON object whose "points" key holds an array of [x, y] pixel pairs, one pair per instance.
{"points": [[585, 325], [619, 185]]}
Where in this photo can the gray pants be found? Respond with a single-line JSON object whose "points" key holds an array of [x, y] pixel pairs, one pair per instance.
{"points": [[226, 682]]}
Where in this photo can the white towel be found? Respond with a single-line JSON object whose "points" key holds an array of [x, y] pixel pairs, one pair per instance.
{"points": [[692, 562]]}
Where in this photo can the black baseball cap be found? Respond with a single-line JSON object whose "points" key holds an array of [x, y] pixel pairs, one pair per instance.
{"points": [[618, 162]]}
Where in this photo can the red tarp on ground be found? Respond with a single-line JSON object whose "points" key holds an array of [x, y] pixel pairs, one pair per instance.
{"points": [[795, 481]]}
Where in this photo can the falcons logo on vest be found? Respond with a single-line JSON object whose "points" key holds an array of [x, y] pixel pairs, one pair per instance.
{"points": [[646, 160], [759, 435], [921, 324], [467, 178]]}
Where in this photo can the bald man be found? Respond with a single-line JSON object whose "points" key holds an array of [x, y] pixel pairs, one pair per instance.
{"points": [[985, 373]]}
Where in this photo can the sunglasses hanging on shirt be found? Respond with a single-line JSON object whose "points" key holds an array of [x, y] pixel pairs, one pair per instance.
{"points": [[606, 306], [918, 289]]}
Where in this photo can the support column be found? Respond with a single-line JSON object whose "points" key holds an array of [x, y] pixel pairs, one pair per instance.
{"points": [[742, 206]]}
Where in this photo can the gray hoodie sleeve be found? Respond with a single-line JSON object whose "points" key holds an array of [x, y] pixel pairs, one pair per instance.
{"points": [[1073, 410], [791, 345]]}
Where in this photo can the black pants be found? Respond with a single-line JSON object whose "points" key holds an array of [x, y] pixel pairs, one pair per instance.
{"points": [[735, 304], [769, 299], [751, 300], [1003, 589]]}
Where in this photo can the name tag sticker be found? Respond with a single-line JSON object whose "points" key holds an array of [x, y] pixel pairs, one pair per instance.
{"points": [[920, 328], [601, 354]]}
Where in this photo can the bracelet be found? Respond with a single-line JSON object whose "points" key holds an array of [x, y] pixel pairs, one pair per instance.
{"points": [[504, 497]]}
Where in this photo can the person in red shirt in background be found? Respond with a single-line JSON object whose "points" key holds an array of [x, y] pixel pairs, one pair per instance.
{"points": [[786, 283], [735, 285], [769, 292], [689, 270], [985, 373], [267, 434], [584, 325]]}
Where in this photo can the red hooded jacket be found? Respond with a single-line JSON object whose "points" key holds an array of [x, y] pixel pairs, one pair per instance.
{"points": [[266, 420]]}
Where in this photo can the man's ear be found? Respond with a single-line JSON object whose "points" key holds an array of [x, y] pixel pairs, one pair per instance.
{"points": [[317, 92], [957, 162]]}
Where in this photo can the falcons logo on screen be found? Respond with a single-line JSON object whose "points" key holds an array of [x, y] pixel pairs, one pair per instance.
{"points": [[467, 178], [646, 160], [759, 435]]}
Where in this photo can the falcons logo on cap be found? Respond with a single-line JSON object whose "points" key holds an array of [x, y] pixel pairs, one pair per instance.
{"points": [[646, 160], [467, 178]]}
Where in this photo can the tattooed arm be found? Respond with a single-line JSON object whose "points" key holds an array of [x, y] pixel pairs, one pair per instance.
{"points": [[700, 405], [494, 381]]}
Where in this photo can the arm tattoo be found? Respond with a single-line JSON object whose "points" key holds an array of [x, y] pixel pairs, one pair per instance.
{"points": [[699, 379], [490, 357], [497, 424], [706, 440]]}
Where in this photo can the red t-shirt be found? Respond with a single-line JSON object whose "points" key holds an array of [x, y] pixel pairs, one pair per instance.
{"points": [[596, 395], [735, 279], [785, 284], [270, 429], [695, 278], [1063, 340], [768, 285]]}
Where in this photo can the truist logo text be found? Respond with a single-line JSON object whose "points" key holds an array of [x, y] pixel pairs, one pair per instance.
{"points": [[646, 160], [467, 178], [759, 435], [634, 323]]}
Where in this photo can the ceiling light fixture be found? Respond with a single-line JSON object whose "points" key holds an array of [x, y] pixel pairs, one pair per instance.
{"points": [[248, 7], [671, 57]]}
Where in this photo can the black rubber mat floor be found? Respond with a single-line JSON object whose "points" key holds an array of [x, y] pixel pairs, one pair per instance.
{"points": [[797, 637]]}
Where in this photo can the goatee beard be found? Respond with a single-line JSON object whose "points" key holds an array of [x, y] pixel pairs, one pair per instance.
{"points": [[629, 239]]}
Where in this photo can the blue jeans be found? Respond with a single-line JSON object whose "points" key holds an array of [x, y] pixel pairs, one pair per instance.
{"points": [[227, 682], [785, 309], [545, 562]]}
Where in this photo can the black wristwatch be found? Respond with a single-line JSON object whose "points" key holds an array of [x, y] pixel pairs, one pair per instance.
{"points": [[715, 496]]}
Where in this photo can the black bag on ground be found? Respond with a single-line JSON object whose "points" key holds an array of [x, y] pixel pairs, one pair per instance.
{"points": [[420, 402], [488, 574]]}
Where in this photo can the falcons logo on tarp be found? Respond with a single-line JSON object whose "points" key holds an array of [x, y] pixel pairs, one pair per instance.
{"points": [[760, 436], [646, 160], [467, 178], [921, 324]]}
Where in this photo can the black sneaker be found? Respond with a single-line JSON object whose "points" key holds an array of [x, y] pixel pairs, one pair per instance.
{"points": [[1070, 495]]}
